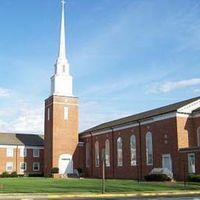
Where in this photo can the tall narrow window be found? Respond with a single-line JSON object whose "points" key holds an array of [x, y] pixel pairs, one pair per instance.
{"points": [[191, 163], [133, 150], [97, 154], [9, 166], [36, 153], [9, 152], [36, 166], [119, 152], [149, 149], [87, 155], [66, 113], [198, 136], [48, 114], [23, 152], [23, 166], [107, 153]]}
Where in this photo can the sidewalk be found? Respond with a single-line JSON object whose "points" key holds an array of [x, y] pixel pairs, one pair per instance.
{"points": [[88, 196]]}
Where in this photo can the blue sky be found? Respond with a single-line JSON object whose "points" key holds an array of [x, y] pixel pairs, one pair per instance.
{"points": [[125, 57]]}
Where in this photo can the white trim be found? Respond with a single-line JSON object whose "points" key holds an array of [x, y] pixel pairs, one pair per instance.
{"points": [[190, 107], [7, 165], [48, 113], [190, 169], [38, 163], [20, 146], [25, 164], [36, 155], [9, 152], [23, 152], [184, 111], [135, 124], [170, 160]]}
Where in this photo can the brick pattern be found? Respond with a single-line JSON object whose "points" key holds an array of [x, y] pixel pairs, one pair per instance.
{"points": [[168, 136], [17, 159], [61, 136]]}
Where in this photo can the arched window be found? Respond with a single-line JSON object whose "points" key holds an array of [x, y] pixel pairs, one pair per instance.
{"points": [[198, 136], [107, 153], [119, 152], [149, 149], [133, 150], [87, 155], [97, 154]]}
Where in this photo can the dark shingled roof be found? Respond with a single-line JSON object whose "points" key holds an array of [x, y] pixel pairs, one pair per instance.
{"points": [[141, 116], [21, 139]]}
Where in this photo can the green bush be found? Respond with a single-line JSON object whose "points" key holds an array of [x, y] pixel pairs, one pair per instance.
{"points": [[54, 170], [5, 175], [35, 175], [157, 177], [13, 174], [194, 177]]}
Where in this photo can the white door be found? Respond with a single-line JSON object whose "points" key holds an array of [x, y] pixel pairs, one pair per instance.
{"points": [[65, 164], [166, 161]]}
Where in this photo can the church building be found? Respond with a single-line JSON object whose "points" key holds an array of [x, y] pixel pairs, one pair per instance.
{"points": [[166, 137]]}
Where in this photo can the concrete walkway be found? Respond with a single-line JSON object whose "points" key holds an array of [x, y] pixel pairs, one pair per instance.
{"points": [[25, 196]]}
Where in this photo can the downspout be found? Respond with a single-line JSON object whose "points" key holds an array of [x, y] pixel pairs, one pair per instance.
{"points": [[113, 153], [16, 164], [139, 168], [91, 150]]}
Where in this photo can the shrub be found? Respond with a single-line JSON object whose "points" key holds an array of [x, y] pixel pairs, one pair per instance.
{"points": [[36, 175], [80, 171], [54, 170], [194, 177], [5, 175], [13, 174], [157, 177]]}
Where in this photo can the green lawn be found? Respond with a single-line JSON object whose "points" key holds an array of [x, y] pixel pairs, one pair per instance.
{"points": [[71, 186]]}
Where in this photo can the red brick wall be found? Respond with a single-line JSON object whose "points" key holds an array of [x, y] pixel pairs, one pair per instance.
{"points": [[165, 141], [16, 159], [61, 136]]}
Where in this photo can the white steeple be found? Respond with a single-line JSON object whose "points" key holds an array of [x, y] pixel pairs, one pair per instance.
{"points": [[61, 81]]}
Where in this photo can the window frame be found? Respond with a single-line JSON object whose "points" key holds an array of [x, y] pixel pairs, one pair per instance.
{"points": [[119, 152], [66, 113], [23, 152], [149, 149], [7, 165], [36, 163], [198, 136], [9, 152], [107, 153], [87, 155], [36, 155], [133, 150], [25, 166], [189, 166], [97, 156]]}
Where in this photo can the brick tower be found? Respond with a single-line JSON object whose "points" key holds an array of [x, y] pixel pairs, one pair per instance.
{"points": [[61, 114]]}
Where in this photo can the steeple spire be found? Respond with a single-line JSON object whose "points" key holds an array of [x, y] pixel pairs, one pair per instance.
{"points": [[62, 48], [61, 81]]}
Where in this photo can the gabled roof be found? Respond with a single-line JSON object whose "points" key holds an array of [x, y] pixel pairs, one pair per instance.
{"points": [[21, 139], [141, 116]]}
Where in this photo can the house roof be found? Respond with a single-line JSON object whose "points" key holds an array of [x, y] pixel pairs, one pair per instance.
{"points": [[141, 116], [21, 139]]}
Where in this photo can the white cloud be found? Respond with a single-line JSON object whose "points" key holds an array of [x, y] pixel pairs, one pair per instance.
{"points": [[173, 85], [22, 118], [4, 92]]}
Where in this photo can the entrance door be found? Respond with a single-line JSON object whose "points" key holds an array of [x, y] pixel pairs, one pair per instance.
{"points": [[166, 161], [65, 164]]}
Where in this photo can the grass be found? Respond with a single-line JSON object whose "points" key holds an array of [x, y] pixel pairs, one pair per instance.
{"points": [[83, 186]]}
